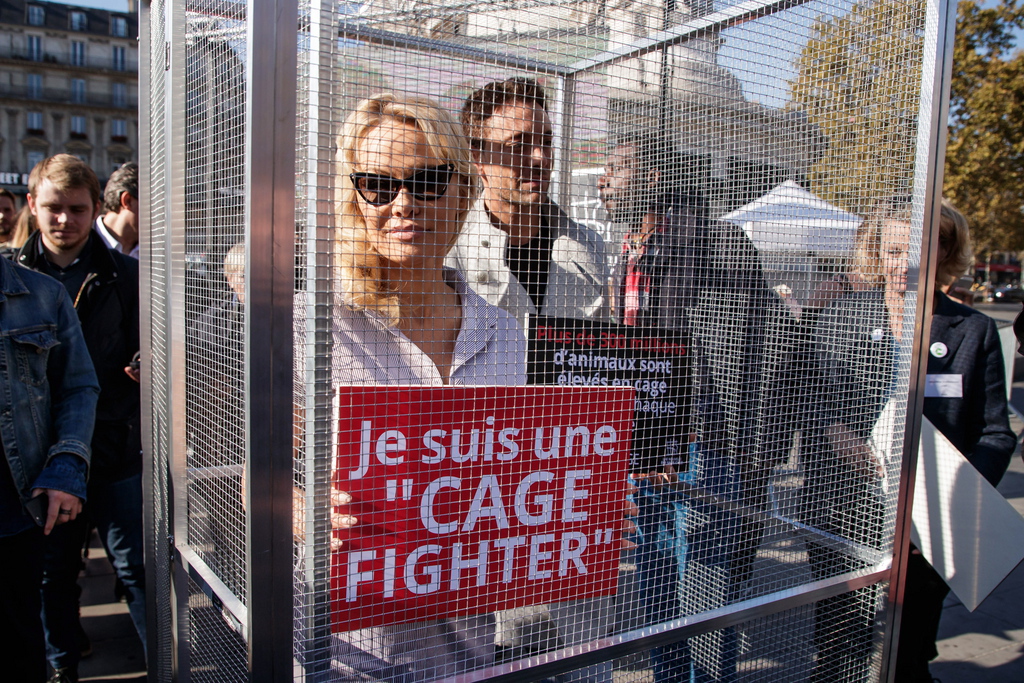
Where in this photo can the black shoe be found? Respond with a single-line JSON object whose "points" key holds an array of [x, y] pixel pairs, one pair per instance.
{"points": [[65, 674]]}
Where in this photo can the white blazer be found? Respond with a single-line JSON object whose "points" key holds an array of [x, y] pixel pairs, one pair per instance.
{"points": [[577, 281]]}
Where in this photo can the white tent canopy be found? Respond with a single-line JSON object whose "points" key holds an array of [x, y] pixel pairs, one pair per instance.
{"points": [[789, 218]]}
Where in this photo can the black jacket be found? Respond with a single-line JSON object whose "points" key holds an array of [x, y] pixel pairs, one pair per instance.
{"points": [[856, 358], [706, 278], [977, 424], [108, 308]]}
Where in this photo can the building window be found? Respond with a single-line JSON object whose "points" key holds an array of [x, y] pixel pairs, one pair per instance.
{"points": [[34, 121], [33, 157], [118, 130], [118, 94], [36, 15], [34, 86], [119, 27], [118, 58], [78, 90], [78, 127], [35, 48], [78, 21], [77, 53]]}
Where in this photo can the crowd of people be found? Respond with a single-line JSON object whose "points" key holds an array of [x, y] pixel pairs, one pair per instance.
{"points": [[447, 245]]}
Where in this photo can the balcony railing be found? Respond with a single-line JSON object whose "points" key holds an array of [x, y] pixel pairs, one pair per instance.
{"points": [[63, 96], [94, 62]]}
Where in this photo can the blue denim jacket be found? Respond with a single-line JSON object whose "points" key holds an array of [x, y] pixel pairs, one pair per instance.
{"points": [[48, 388]]}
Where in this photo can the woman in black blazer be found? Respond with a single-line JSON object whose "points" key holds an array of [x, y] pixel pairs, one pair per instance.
{"points": [[970, 410]]}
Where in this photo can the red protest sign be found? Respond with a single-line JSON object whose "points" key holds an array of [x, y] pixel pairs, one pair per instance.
{"points": [[475, 499]]}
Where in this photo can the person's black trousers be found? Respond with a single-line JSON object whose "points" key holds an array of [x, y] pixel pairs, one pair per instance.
{"points": [[923, 595], [22, 646]]}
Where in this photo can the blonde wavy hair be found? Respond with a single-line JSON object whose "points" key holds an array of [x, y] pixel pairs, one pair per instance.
{"points": [[360, 267], [867, 252], [24, 226], [955, 235]]}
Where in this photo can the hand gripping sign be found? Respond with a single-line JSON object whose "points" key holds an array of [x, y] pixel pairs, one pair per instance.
{"points": [[475, 499]]}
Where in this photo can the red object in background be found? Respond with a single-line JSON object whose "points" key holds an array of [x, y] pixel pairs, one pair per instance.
{"points": [[440, 478], [998, 267]]}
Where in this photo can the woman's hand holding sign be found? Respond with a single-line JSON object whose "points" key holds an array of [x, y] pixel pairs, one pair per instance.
{"points": [[339, 517]]}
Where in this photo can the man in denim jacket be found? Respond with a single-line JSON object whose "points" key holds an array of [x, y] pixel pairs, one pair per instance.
{"points": [[49, 393]]}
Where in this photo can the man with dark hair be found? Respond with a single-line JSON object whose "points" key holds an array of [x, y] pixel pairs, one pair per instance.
{"points": [[522, 253], [43, 364], [667, 241], [119, 224], [519, 250], [681, 270], [104, 286]]}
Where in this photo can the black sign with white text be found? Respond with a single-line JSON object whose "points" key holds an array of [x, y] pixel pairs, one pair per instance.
{"points": [[655, 362]]}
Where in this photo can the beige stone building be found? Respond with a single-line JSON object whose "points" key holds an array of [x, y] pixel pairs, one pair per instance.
{"points": [[68, 83]]}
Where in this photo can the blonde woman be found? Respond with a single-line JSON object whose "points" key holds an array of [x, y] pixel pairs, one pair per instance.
{"points": [[857, 354], [406, 182]]}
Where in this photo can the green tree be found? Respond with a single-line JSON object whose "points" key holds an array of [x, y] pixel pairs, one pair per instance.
{"points": [[985, 151], [858, 81]]}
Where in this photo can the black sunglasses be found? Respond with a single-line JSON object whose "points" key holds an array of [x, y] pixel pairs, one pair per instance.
{"points": [[427, 185]]}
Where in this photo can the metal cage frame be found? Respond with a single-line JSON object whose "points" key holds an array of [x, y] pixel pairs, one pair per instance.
{"points": [[265, 619]]}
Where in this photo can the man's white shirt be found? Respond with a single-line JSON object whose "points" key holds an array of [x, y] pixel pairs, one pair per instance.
{"points": [[577, 281], [111, 240]]}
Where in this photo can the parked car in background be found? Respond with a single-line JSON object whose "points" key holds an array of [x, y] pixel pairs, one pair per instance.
{"points": [[1011, 294]]}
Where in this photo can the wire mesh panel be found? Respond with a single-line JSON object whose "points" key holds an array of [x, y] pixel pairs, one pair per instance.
{"points": [[214, 110], [156, 283], [603, 334], [219, 653]]}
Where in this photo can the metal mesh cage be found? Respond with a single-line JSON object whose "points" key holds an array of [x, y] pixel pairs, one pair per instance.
{"points": [[512, 340], [220, 655], [156, 291]]}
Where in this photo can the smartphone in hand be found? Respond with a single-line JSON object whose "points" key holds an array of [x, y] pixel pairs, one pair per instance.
{"points": [[38, 507]]}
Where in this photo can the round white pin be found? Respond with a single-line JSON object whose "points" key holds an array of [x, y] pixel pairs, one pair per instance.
{"points": [[939, 350], [877, 334]]}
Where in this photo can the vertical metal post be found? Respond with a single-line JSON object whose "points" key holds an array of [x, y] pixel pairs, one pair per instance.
{"points": [[174, 251], [937, 68], [149, 448], [317, 415], [562, 116], [272, 29]]}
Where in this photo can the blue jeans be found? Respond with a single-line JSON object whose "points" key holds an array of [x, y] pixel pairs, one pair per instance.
{"points": [[116, 510], [661, 558], [678, 535]]}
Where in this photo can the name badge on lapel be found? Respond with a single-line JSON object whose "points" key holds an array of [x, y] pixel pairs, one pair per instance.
{"points": [[944, 386]]}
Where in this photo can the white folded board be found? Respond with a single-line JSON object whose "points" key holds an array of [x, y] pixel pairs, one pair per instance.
{"points": [[963, 526]]}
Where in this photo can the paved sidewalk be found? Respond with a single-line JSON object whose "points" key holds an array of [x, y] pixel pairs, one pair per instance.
{"points": [[116, 649]]}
